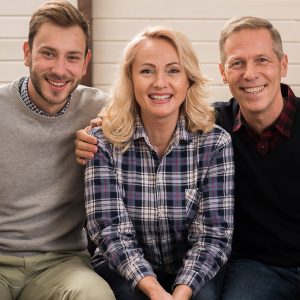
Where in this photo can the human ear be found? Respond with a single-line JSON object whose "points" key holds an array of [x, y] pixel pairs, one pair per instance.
{"points": [[284, 65], [87, 59], [27, 54], [223, 74]]}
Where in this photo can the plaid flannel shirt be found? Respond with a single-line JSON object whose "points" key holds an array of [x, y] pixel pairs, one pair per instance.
{"points": [[173, 215], [277, 132]]}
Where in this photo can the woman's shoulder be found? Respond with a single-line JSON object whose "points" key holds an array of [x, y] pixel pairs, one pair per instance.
{"points": [[102, 141], [220, 137], [217, 129], [216, 136], [221, 134]]}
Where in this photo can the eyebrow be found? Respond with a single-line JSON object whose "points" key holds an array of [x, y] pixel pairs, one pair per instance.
{"points": [[55, 50], [241, 57], [167, 65]]}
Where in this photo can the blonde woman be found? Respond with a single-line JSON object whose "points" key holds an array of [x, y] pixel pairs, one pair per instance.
{"points": [[159, 191]]}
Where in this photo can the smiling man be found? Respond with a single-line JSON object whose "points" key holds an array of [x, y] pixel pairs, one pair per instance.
{"points": [[57, 60], [263, 119], [42, 239]]}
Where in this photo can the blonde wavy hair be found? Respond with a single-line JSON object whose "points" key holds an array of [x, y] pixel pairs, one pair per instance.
{"points": [[118, 118]]}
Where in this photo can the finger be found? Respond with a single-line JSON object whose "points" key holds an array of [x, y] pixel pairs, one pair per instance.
{"points": [[83, 136], [94, 123], [97, 122], [81, 161], [84, 154], [83, 146]]}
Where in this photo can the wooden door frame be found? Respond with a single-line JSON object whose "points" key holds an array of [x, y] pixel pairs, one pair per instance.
{"points": [[85, 7]]}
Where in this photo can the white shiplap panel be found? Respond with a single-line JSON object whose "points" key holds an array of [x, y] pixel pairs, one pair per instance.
{"points": [[111, 52], [12, 70], [14, 27], [11, 49], [117, 21], [108, 52], [289, 30], [195, 30], [218, 93], [293, 52], [105, 74], [118, 30], [293, 77], [193, 9], [124, 30], [22, 7], [198, 30]]}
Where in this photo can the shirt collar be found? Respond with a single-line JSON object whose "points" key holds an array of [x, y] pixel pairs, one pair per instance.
{"points": [[181, 132], [283, 123], [23, 89]]}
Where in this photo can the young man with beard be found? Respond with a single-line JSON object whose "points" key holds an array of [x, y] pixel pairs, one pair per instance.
{"points": [[263, 120], [42, 239]]}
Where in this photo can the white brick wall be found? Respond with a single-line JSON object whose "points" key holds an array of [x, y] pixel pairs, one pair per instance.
{"points": [[117, 21]]}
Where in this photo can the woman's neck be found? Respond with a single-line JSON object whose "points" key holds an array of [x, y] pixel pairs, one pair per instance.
{"points": [[160, 134]]}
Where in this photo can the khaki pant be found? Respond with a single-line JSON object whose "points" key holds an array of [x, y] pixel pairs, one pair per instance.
{"points": [[51, 276]]}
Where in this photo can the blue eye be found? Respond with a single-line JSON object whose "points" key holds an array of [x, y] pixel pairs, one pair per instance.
{"points": [[48, 54], [262, 60], [73, 58], [147, 71], [173, 71], [237, 64]]}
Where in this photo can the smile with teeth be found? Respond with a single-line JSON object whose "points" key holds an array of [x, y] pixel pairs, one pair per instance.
{"points": [[254, 90], [160, 97], [58, 84]]}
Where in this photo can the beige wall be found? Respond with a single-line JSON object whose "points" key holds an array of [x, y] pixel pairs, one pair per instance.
{"points": [[116, 21], [14, 19]]}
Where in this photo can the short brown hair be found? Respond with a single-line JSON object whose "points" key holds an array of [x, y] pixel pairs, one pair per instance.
{"points": [[60, 13], [248, 22]]}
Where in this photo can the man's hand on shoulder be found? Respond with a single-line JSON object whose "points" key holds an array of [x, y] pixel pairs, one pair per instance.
{"points": [[86, 146]]}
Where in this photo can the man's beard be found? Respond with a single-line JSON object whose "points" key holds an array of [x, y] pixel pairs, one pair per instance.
{"points": [[36, 82]]}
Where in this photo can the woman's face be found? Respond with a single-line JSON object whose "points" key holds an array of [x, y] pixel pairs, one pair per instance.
{"points": [[160, 83]]}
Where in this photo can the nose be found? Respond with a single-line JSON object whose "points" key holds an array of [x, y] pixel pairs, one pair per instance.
{"points": [[250, 72], [160, 80], [59, 67]]}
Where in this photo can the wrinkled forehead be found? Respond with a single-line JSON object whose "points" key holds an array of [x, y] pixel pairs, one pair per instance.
{"points": [[248, 42]]}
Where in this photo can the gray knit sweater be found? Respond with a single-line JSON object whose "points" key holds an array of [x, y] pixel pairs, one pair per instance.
{"points": [[41, 185]]}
